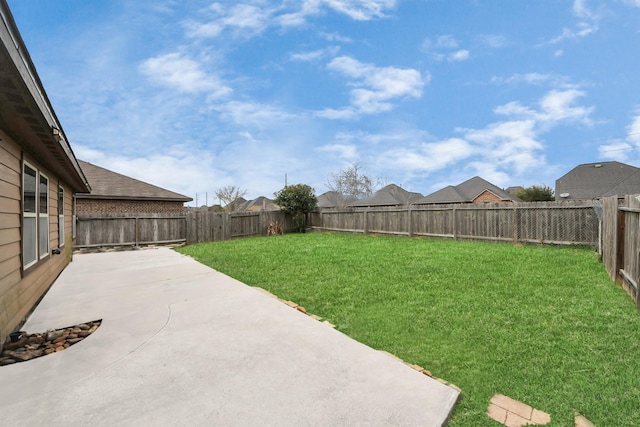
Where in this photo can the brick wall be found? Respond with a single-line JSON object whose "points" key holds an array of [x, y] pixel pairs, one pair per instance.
{"points": [[134, 207], [487, 197]]}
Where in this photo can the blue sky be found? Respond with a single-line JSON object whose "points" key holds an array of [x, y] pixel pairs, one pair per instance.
{"points": [[197, 95]]}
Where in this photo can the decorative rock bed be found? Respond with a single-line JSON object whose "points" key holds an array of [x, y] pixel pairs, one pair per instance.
{"points": [[21, 346]]}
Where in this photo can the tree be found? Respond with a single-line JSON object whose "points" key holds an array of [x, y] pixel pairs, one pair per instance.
{"points": [[351, 182], [297, 200], [536, 193], [228, 195]]}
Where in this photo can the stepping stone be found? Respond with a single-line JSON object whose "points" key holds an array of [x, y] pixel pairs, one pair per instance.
{"points": [[581, 421], [513, 413]]}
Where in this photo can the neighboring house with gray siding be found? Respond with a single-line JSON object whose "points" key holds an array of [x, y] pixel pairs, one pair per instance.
{"points": [[114, 193], [595, 180], [39, 176], [474, 190]]}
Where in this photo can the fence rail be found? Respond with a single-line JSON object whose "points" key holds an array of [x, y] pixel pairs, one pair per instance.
{"points": [[573, 223]]}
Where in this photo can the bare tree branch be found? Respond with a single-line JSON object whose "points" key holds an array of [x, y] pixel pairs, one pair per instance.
{"points": [[228, 195]]}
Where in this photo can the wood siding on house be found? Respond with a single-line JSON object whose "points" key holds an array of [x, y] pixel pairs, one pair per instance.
{"points": [[21, 290]]}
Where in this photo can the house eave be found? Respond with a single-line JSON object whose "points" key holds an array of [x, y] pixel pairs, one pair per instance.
{"points": [[26, 114]]}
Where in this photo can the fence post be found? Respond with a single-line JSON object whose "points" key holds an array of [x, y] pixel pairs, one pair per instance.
{"points": [[409, 221], [136, 225], [365, 226], [515, 224], [455, 222], [225, 224]]}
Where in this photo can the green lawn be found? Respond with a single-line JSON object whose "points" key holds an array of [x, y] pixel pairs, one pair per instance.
{"points": [[543, 325]]}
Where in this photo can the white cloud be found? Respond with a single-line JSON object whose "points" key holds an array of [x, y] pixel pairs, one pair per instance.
{"points": [[444, 47], [459, 55], [359, 10], [446, 41], [555, 106], [240, 19], [633, 130], [581, 30], [494, 41], [343, 151], [337, 113], [180, 72], [176, 170], [374, 87], [621, 150], [490, 170], [615, 151], [430, 156], [528, 78], [335, 37], [581, 10], [252, 113], [252, 18], [509, 144], [315, 55]]}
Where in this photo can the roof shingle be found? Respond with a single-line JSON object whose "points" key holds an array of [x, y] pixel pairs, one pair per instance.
{"points": [[106, 184]]}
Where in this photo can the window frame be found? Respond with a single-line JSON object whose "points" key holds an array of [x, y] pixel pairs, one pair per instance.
{"points": [[43, 252], [26, 263], [61, 230]]}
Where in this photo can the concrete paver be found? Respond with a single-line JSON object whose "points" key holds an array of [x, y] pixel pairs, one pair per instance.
{"points": [[513, 413], [182, 344]]}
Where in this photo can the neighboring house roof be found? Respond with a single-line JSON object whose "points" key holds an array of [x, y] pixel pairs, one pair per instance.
{"points": [[391, 195], [466, 192], [106, 184], [514, 189], [26, 114], [261, 203], [333, 199], [595, 180], [236, 205]]}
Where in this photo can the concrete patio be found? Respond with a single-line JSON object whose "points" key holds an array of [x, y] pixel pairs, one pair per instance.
{"points": [[182, 344]]}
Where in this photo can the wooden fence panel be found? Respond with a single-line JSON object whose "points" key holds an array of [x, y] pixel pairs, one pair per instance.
{"points": [[610, 236], [572, 222], [204, 226], [630, 271], [121, 230]]}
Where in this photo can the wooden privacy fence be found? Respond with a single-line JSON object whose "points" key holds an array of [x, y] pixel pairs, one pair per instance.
{"points": [[570, 222], [620, 245], [205, 226], [100, 230]]}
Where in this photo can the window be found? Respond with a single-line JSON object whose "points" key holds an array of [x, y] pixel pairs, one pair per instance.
{"points": [[30, 217], [35, 216], [43, 216], [60, 216]]}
